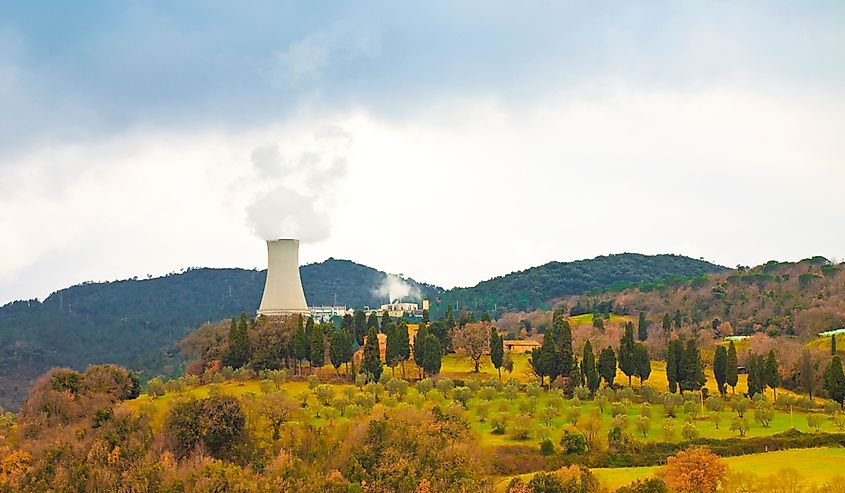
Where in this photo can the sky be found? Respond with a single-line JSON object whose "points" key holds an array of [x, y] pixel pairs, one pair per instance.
{"points": [[450, 142]]}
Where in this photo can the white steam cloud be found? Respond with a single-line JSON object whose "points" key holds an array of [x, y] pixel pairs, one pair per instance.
{"points": [[394, 287], [294, 193]]}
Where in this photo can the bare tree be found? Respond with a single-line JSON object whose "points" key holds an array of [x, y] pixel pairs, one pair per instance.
{"points": [[474, 339]]}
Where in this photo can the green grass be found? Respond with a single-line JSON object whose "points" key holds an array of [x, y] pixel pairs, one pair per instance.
{"points": [[587, 319], [817, 465]]}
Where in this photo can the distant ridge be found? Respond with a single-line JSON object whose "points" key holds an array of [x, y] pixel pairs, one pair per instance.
{"points": [[536, 287]]}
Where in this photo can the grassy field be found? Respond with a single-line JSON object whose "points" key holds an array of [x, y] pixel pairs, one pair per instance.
{"points": [[817, 465]]}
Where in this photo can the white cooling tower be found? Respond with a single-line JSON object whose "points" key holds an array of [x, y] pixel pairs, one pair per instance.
{"points": [[283, 293]]}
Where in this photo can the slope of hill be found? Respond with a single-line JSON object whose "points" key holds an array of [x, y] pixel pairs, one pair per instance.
{"points": [[136, 323], [779, 298], [536, 287]]}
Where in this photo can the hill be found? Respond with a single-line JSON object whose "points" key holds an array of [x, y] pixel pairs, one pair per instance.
{"points": [[137, 322], [777, 298], [538, 287]]}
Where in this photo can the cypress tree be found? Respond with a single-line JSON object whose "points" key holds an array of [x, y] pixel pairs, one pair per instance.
{"points": [[300, 344], [627, 363], [318, 347], [720, 368], [678, 319], [834, 381], [667, 324], [607, 365], [309, 331], [497, 350], [238, 352], [672, 364], [642, 327], [336, 342], [756, 375], [807, 373], [833, 344], [391, 353], [372, 356], [643, 362], [692, 375], [385, 322], [588, 368], [565, 357], [425, 317], [372, 323], [419, 347], [403, 344], [772, 374], [359, 322], [432, 355], [731, 368]]}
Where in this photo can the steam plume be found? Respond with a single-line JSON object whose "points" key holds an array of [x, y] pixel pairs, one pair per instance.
{"points": [[394, 287]]}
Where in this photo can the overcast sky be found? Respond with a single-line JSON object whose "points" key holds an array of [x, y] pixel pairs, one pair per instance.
{"points": [[447, 141]]}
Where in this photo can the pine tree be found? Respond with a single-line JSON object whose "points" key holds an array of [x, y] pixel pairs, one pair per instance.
{"points": [[642, 361], [834, 381], [732, 367], [372, 356], [772, 374], [627, 363], [692, 374], [720, 368], [588, 368], [497, 350], [607, 365], [419, 347], [642, 327], [432, 355], [318, 347]]}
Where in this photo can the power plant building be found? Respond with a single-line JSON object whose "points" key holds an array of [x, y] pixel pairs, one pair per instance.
{"points": [[283, 294]]}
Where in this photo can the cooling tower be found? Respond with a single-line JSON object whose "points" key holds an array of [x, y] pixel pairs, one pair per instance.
{"points": [[283, 293]]}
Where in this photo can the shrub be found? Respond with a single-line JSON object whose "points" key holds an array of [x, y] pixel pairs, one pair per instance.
{"points": [[617, 408], [689, 432], [313, 381], [547, 447], [694, 470], [714, 404], [643, 425], [533, 389], [650, 395], [521, 427], [668, 430], [582, 393], [815, 421], [652, 485], [573, 414], [618, 441], [444, 385], [462, 395], [499, 424], [573, 443]]}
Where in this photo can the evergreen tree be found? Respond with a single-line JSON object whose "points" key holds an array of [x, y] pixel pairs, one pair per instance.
{"points": [[309, 332], [756, 375], [359, 322], [642, 327], [607, 365], [627, 363], [598, 323], [385, 322], [667, 324], [539, 362], [564, 358], [643, 362], [673, 364], [720, 368], [450, 317], [372, 356], [347, 323], [807, 374], [588, 368], [432, 355], [425, 317], [497, 350], [403, 344], [833, 345], [336, 348], [732, 367], [834, 381], [391, 353], [318, 347], [372, 323], [419, 347], [772, 374], [693, 371], [678, 319], [237, 354], [300, 344]]}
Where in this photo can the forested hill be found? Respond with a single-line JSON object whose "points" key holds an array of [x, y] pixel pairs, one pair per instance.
{"points": [[137, 322], [534, 288]]}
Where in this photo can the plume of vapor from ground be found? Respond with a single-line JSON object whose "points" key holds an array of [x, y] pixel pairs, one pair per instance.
{"points": [[394, 287]]}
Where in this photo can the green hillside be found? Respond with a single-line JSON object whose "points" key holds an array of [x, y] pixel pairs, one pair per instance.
{"points": [[137, 322], [534, 288]]}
